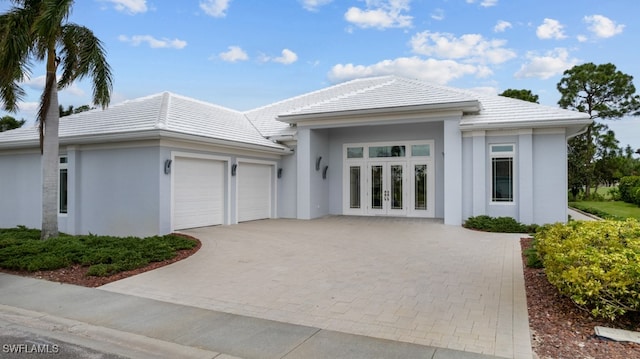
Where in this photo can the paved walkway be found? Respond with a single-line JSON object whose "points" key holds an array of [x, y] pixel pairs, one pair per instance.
{"points": [[36, 312], [407, 280]]}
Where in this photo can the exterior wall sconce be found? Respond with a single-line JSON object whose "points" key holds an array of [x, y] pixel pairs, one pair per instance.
{"points": [[318, 163], [234, 167], [279, 172], [167, 167], [324, 172]]}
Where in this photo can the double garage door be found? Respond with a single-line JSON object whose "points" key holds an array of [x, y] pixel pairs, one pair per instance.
{"points": [[200, 195]]}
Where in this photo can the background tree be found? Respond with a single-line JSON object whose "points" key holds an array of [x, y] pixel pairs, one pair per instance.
{"points": [[72, 111], [604, 93], [9, 123], [525, 95], [37, 30]]}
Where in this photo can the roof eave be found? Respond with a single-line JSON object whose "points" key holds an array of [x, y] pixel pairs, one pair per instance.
{"points": [[463, 106], [154, 134], [574, 125]]}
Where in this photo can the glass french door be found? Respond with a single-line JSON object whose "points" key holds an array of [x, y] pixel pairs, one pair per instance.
{"points": [[387, 188]]}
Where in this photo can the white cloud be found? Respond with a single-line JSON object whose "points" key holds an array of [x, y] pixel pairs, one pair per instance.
{"points": [[550, 29], [485, 90], [234, 54], [74, 90], [439, 71], [136, 40], [582, 38], [437, 14], [471, 47], [313, 5], [552, 63], [36, 83], [502, 26], [484, 3], [602, 26], [129, 6], [380, 14], [215, 8], [288, 57]]}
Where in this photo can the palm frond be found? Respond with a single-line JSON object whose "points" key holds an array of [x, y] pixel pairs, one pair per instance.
{"points": [[82, 54], [15, 48]]}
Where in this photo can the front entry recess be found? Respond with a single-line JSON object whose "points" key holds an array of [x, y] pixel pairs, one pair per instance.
{"points": [[389, 180]]}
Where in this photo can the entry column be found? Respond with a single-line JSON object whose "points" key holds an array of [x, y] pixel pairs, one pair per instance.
{"points": [[452, 172]]}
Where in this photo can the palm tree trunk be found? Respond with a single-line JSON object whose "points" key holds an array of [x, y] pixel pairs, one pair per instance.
{"points": [[50, 161]]}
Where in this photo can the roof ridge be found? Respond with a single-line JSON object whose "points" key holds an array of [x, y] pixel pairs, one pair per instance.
{"points": [[347, 94], [163, 114], [306, 94]]}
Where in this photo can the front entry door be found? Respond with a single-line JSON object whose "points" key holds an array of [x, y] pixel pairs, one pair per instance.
{"points": [[387, 188]]}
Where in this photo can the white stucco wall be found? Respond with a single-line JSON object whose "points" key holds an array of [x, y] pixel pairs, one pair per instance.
{"points": [[288, 186], [539, 169], [550, 178], [118, 192], [20, 190]]}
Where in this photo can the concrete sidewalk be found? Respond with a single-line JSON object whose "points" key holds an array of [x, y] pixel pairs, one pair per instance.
{"points": [[144, 328]]}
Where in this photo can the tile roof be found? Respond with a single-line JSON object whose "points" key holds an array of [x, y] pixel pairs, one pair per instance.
{"points": [[164, 111], [389, 92], [181, 115]]}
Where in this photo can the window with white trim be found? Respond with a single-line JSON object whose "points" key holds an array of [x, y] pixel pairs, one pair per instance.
{"points": [[62, 183], [502, 156]]}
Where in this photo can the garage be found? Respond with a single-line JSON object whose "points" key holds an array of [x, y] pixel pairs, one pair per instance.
{"points": [[254, 191], [198, 192]]}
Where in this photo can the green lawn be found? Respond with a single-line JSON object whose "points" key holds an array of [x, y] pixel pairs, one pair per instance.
{"points": [[613, 208], [22, 249]]}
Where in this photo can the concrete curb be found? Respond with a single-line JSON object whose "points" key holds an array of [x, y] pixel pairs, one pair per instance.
{"points": [[101, 338]]}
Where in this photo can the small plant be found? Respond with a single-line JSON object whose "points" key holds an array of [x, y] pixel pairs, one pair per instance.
{"points": [[498, 224], [532, 256]]}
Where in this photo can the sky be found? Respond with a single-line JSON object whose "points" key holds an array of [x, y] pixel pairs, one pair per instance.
{"points": [[243, 54]]}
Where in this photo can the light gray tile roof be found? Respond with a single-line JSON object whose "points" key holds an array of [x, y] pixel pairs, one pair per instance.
{"points": [[388, 92], [178, 114], [164, 111]]}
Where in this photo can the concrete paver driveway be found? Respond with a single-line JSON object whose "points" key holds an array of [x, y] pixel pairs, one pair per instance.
{"points": [[409, 280]]}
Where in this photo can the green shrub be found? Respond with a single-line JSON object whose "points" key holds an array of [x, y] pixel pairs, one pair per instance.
{"points": [[22, 249], [498, 224], [532, 256], [614, 194], [628, 187], [595, 263]]}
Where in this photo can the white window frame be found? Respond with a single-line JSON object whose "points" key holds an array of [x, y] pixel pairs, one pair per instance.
{"points": [[63, 166], [493, 154]]}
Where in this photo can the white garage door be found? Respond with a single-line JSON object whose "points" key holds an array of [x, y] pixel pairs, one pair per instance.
{"points": [[198, 197], [254, 191]]}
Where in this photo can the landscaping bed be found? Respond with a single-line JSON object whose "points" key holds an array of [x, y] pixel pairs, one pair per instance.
{"points": [[78, 273], [560, 329]]}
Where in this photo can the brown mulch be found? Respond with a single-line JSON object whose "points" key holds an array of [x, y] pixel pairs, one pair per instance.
{"points": [[77, 274], [560, 329]]}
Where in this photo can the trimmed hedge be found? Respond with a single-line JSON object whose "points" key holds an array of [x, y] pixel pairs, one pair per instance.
{"points": [[498, 224], [595, 263]]}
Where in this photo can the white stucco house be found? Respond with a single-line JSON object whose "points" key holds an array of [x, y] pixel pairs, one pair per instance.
{"points": [[383, 146]]}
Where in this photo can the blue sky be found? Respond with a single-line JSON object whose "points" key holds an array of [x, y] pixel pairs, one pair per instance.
{"points": [[243, 54]]}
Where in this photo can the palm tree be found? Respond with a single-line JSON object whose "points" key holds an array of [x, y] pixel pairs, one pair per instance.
{"points": [[37, 30]]}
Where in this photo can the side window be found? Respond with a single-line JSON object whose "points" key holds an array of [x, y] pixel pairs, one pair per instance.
{"points": [[502, 172], [62, 192]]}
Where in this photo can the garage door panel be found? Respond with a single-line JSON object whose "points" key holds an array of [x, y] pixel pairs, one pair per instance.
{"points": [[198, 192], [254, 191]]}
